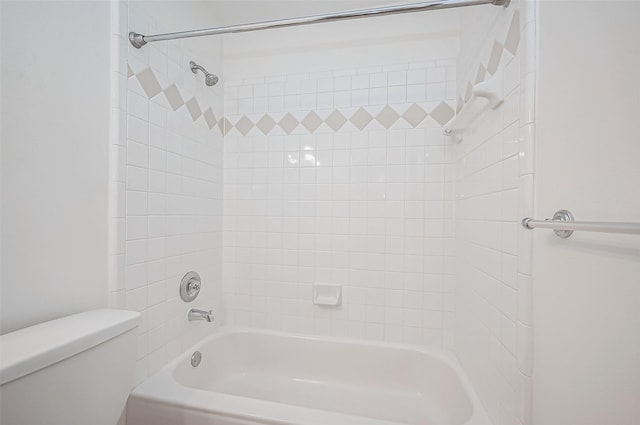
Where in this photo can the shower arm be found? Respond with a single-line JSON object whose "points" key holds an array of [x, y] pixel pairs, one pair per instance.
{"points": [[139, 40], [209, 79], [195, 67]]}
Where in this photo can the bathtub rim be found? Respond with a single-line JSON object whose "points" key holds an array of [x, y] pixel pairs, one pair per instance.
{"points": [[157, 387]]}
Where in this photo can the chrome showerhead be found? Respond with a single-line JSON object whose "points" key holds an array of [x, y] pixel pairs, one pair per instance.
{"points": [[209, 79]]}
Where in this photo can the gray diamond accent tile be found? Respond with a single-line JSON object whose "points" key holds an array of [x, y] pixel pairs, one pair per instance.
{"points": [[149, 82], [513, 35], [482, 73], [494, 58], [414, 115], [194, 108], [266, 124], [210, 118], [442, 113], [311, 122], [129, 72], [361, 118], [244, 125], [173, 97], [225, 126], [336, 120], [387, 117], [288, 123]]}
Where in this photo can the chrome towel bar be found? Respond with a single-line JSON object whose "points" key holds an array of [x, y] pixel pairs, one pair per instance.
{"points": [[563, 225]]}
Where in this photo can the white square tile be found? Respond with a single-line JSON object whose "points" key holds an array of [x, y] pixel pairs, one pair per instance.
{"points": [[136, 206], [359, 82], [378, 80], [397, 78], [137, 129]]}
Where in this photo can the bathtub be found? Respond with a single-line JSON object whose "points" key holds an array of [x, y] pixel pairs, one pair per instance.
{"points": [[261, 377]]}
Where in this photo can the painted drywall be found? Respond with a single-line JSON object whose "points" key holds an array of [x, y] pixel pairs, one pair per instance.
{"points": [[587, 288], [55, 134], [342, 45], [233, 12]]}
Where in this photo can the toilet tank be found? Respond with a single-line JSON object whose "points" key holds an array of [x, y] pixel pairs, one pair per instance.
{"points": [[77, 370]]}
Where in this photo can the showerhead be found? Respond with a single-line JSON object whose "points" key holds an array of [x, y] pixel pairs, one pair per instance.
{"points": [[209, 79]]}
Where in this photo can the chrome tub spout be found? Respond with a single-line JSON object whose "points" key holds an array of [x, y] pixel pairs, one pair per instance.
{"points": [[196, 314]]}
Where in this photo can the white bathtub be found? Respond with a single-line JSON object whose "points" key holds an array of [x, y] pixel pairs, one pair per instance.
{"points": [[262, 377]]}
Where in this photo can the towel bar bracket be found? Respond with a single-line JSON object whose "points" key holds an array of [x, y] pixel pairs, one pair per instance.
{"points": [[562, 215]]}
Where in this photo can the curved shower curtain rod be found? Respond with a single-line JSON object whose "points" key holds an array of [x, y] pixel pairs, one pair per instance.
{"points": [[139, 40]]}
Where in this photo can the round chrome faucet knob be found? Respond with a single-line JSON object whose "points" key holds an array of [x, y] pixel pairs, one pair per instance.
{"points": [[193, 287], [190, 286]]}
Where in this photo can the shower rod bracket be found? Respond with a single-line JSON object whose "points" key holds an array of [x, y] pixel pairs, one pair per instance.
{"points": [[139, 40]]}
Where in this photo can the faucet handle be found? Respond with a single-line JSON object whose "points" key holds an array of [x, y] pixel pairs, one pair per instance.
{"points": [[190, 286]]}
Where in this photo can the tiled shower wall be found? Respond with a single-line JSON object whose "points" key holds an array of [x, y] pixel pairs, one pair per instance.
{"points": [[166, 188], [493, 191], [341, 177]]}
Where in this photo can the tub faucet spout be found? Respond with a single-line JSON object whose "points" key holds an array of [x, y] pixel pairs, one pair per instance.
{"points": [[196, 314]]}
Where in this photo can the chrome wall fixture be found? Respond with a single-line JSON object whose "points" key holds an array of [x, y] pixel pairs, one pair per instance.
{"points": [[209, 79], [196, 358], [197, 314], [139, 40], [563, 225], [190, 286]]}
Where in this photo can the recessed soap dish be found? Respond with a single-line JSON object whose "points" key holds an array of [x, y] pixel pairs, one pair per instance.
{"points": [[329, 294]]}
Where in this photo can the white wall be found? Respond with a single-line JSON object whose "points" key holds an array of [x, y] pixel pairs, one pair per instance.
{"points": [[342, 45], [55, 126], [587, 287], [166, 178], [363, 206], [493, 166]]}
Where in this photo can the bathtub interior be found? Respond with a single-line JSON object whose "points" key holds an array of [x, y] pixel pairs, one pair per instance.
{"points": [[394, 384]]}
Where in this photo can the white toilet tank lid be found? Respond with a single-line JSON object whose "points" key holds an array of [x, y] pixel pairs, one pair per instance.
{"points": [[30, 349]]}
